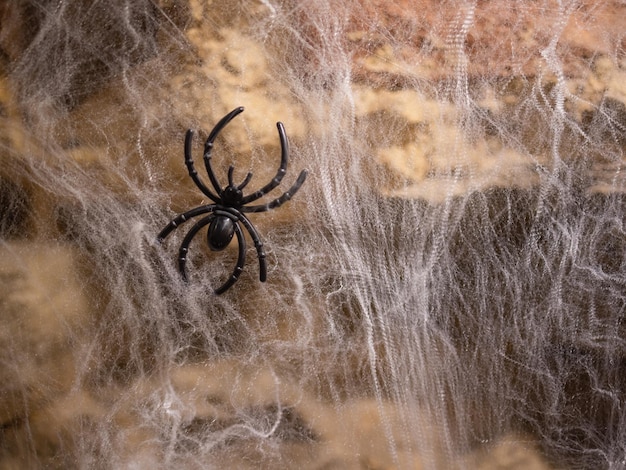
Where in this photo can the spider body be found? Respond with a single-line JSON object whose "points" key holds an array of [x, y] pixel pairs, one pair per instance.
{"points": [[226, 215]]}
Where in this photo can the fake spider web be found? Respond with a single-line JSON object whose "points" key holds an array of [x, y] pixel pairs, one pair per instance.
{"points": [[446, 290]]}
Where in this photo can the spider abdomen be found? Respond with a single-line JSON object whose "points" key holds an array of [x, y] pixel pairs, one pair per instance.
{"points": [[220, 233]]}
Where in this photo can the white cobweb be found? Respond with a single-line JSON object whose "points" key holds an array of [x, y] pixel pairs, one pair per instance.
{"points": [[451, 276]]}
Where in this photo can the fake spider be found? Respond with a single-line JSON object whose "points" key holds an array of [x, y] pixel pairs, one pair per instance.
{"points": [[227, 213]]}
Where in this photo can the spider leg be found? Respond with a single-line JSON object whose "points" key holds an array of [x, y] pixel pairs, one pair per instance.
{"points": [[184, 248], [245, 181], [208, 146], [192, 170], [282, 169], [258, 244], [231, 168], [241, 260], [280, 200], [182, 218], [243, 184]]}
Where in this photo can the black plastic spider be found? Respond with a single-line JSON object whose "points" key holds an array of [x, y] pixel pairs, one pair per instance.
{"points": [[230, 204]]}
